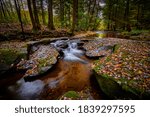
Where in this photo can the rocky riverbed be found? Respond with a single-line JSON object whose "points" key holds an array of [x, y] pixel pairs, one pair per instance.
{"points": [[66, 68]]}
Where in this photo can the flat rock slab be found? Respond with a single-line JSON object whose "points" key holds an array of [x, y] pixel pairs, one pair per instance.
{"points": [[128, 67], [42, 58], [96, 48]]}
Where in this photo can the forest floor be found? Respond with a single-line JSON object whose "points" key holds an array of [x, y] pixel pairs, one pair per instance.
{"points": [[12, 31]]}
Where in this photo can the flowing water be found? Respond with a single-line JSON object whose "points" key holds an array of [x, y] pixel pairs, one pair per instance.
{"points": [[71, 73]]}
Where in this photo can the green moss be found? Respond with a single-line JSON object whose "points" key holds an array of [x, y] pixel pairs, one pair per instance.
{"points": [[135, 84], [101, 35], [97, 68], [105, 76], [130, 89], [8, 56], [42, 62], [108, 59], [121, 88], [116, 47], [22, 55], [46, 61], [71, 94], [134, 32], [109, 86]]}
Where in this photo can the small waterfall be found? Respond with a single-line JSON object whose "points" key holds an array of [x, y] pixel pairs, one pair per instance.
{"points": [[70, 50]]}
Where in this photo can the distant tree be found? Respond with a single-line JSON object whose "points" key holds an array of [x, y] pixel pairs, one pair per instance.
{"points": [[43, 12], [31, 15], [92, 14], [75, 16], [19, 16], [6, 10], [68, 13], [126, 15], [50, 15], [22, 8], [62, 3], [2, 8], [35, 12], [11, 6]]}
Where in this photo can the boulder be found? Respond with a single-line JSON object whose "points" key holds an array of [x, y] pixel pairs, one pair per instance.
{"points": [[96, 49], [125, 73], [41, 59]]}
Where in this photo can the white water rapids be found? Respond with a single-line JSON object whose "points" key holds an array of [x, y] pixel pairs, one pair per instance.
{"points": [[71, 52]]}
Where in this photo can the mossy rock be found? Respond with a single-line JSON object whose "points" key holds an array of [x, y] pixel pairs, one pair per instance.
{"points": [[120, 89], [109, 86], [71, 94], [8, 56]]}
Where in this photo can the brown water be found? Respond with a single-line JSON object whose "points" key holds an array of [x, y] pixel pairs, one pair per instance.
{"points": [[67, 76]]}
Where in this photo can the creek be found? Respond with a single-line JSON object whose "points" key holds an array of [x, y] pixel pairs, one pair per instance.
{"points": [[72, 72]]}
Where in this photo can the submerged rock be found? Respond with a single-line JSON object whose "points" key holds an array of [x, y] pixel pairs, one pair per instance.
{"points": [[42, 58]]}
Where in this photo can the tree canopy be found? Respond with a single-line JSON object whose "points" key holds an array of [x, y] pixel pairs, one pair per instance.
{"points": [[77, 15]]}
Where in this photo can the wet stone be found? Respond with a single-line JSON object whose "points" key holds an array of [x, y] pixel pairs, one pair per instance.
{"points": [[98, 49], [40, 60]]}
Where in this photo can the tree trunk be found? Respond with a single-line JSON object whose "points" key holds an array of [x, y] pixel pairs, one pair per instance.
{"points": [[116, 10], [126, 15], [62, 12], [109, 15], [2, 7], [6, 8], [37, 22], [19, 16], [11, 7], [24, 14], [50, 15], [43, 13], [75, 16], [68, 16], [92, 14], [138, 15], [31, 15], [96, 16], [88, 13]]}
